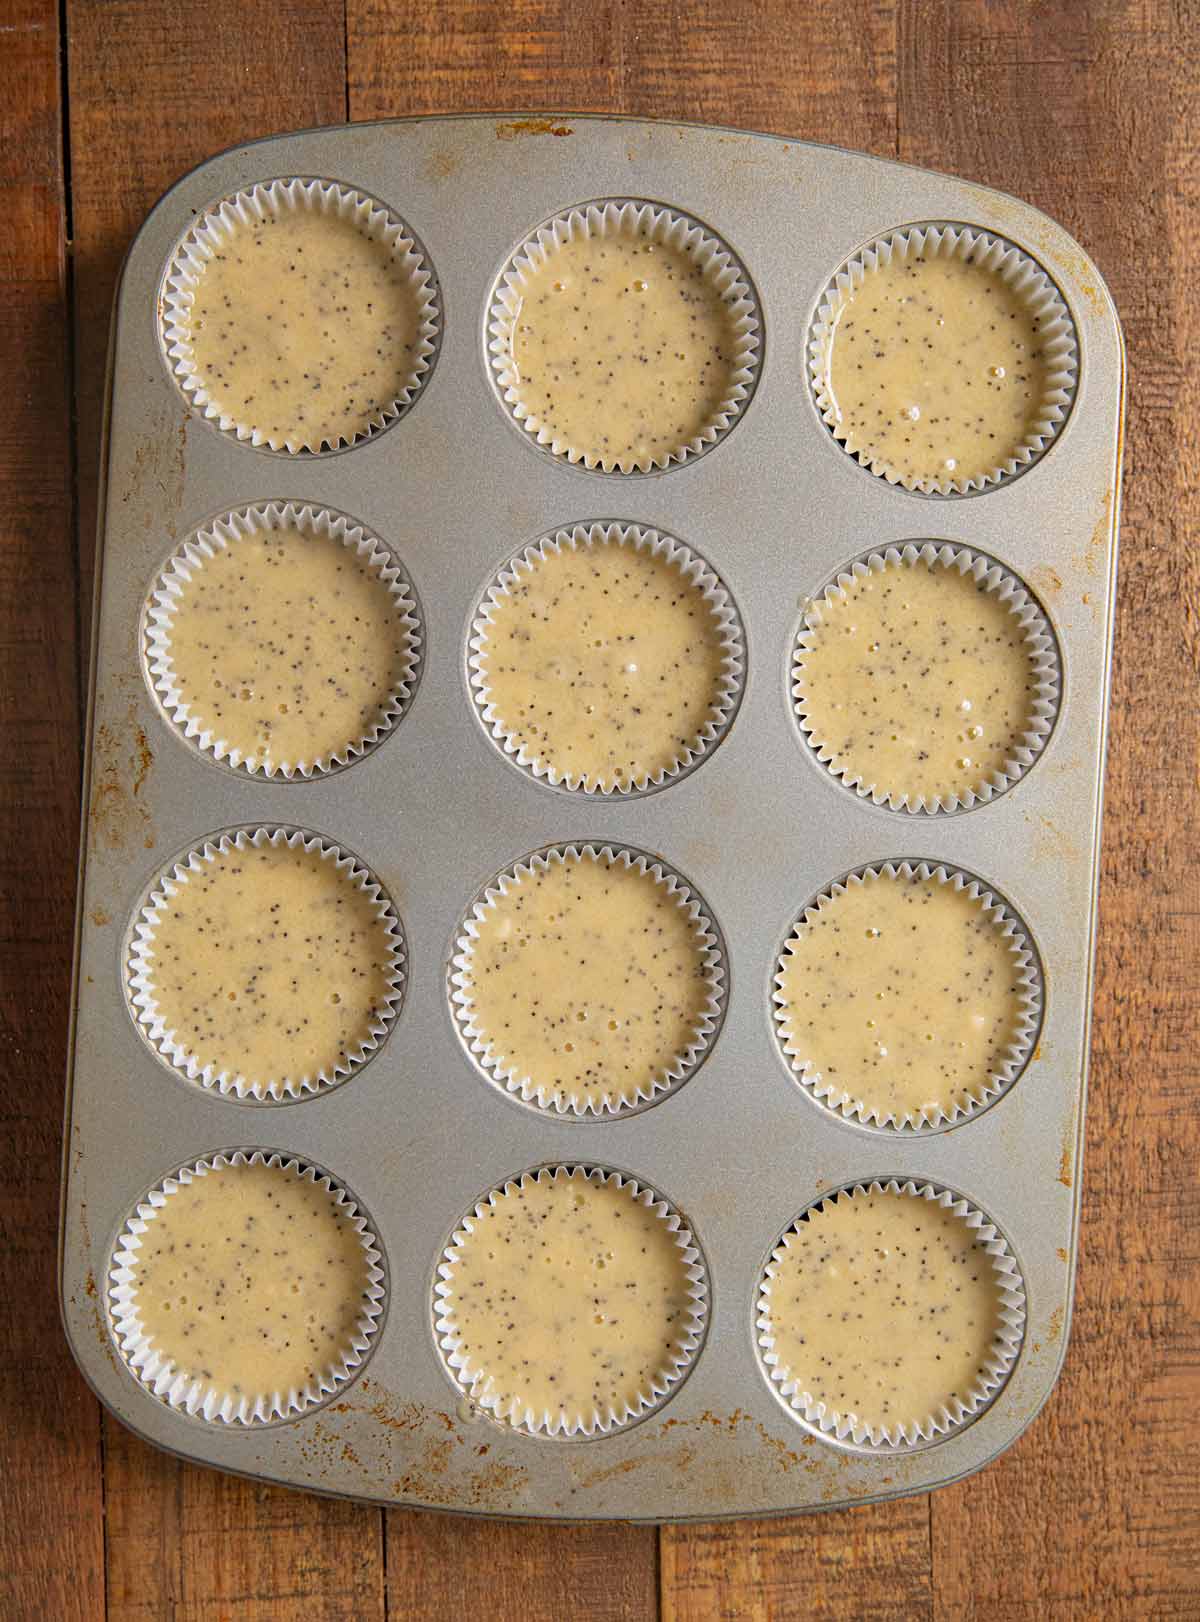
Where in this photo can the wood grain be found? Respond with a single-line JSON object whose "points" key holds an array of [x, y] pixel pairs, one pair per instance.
{"points": [[480, 1571], [1090, 111], [51, 1526], [822, 70], [869, 1564], [186, 1543], [156, 86]]}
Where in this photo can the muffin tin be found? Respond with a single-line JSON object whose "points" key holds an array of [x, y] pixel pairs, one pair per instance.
{"points": [[455, 489]]}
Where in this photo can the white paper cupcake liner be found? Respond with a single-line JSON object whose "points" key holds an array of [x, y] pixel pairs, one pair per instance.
{"points": [[693, 569], [140, 956], [608, 216], [601, 1422], [204, 543], [846, 1105], [1040, 641], [846, 1429], [482, 1052], [159, 1375], [1024, 276], [221, 221]]}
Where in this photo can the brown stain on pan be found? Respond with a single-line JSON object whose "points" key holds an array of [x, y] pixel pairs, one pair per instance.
{"points": [[155, 480], [444, 165], [479, 1491], [122, 761], [428, 1453], [677, 1458], [774, 1452], [1064, 1166], [531, 126], [1091, 560], [1050, 843], [436, 1457], [1062, 1254], [1046, 580], [410, 1415], [100, 1327], [1066, 261]]}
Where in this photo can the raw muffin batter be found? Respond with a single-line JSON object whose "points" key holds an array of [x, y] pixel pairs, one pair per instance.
{"points": [[269, 965], [883, 1307], [604, 663], [901, 994], [918, 682], [623, 348], [586, 980], [569, 1299], [251, 1281], [304, 328], [936, 369], [287, 647]]}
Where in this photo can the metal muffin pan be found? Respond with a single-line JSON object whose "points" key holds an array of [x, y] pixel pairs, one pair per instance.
{"points": [[776, 507]]}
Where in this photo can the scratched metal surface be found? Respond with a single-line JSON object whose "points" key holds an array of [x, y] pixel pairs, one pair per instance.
{"points": [[417, 1135]]}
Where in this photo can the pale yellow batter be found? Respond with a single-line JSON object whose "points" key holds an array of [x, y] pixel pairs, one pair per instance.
{"points": [[251, 1281], [918, 682], [603, 663], [623, 349], [884, 1307], [936, 369], [269, 965], [287, 647], [901, 994], [587, 982], [304, 328], [568, 1300]]}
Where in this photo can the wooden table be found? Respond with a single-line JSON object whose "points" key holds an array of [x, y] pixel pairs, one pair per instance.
{"points": [[1087, 109]]}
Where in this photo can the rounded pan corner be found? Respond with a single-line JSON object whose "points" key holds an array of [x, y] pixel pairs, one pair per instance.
{"points": [[1067, 254], [1046, 1392], [165, 204]]}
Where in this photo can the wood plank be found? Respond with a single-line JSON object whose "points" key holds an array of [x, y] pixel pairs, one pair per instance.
{"points": [[1090, 111], [190, 1543], [51, 1520], [824, 71], [869, 1564], [155, 88], [441, 1566]]}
